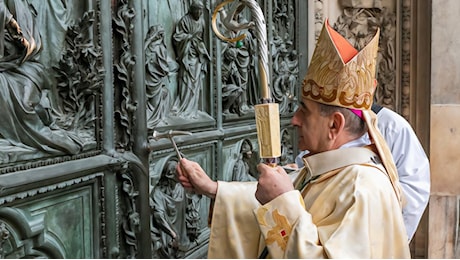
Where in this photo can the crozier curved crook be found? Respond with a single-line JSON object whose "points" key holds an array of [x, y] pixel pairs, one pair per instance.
{"points": [[218, 9]]}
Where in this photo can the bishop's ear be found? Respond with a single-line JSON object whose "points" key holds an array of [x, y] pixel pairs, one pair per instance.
{"points": [[336, 124]]}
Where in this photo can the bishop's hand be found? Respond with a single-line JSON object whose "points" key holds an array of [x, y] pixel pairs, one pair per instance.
{"points": [[273, 181]]}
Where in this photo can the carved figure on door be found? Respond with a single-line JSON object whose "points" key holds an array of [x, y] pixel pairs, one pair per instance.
{"points": [[242, 168], [241, 54], [175, 215], [286, 71], [158, 65], [231, 78], [168, 212], [287, 151], [193, 59], [28, 124]]}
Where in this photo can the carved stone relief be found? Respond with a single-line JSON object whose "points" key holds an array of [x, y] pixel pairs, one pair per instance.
{"points": [[404, 87], [51, 220], [284, 19], [130, 221], [244, 167], [239, 70], [287, 151], [239, 67], [193, 58], [22, 238], [159, 67], [231, 87], [286, 72], [238, 77], [47, 111], [186, 76], [285, 63], [124, 104], [175, 215], [80, 78]]}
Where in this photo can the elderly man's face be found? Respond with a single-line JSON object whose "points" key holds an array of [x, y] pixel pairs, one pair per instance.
{"points": [[312, 127]]}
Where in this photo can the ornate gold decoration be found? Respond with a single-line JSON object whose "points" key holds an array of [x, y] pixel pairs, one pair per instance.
{"points": [[342, 81], [281, 232], [261, 216]]}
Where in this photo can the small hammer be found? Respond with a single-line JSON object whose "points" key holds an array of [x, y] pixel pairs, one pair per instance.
{"points": [[170, 134]]}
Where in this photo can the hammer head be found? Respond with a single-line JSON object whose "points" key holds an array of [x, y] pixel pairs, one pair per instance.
{"points": [[169, 134]]}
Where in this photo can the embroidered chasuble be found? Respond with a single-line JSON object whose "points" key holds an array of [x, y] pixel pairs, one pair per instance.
{"points": [[344, 208]]}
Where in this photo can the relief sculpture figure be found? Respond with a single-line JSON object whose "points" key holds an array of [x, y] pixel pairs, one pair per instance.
{"points": [[193, 58], [27, 124], [231, 87], [287, 151], [158, 66], [285, 67], [242, 169], [169, 210], [175, 215], [240, 57]]}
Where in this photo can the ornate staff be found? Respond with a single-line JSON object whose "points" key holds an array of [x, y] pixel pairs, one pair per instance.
{"points": [[267, 112]]}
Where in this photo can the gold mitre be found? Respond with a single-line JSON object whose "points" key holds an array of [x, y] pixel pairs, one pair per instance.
{"points": [[340, 75]]}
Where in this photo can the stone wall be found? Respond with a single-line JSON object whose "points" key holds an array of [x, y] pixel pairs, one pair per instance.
{"points": [[445, 130]]}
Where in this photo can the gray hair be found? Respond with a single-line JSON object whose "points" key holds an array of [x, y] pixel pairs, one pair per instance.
{"points": [[353, 123]]}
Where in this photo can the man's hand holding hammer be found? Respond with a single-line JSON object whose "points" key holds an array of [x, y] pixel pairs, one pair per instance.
{"points": [[193, 177]]}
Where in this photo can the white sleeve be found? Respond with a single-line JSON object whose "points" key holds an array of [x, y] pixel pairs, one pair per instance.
{"points": [[412, 165]]}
